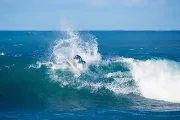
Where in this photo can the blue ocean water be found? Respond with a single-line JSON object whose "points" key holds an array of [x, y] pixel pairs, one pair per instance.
{"points": [[128, 75]]}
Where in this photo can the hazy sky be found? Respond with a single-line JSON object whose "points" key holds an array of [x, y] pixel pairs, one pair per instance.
{"points": [[90, 14]]}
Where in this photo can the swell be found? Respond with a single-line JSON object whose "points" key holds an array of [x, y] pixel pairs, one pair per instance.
{"points": [[106, 82], [110, 85], [30, 88]]}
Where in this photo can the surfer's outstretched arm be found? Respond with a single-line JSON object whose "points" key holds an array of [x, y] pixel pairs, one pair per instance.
{"points": [[76, 57]]}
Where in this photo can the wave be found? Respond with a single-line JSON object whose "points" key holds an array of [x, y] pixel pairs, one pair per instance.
{"points": [[96, 79], [156, 79], [153, 78], [97, 75]]}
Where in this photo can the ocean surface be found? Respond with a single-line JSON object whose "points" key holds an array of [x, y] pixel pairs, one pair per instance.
{"points": [[127, 75]]}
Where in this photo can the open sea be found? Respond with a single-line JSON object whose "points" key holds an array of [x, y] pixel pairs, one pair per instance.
{"points": [[128, 75]]}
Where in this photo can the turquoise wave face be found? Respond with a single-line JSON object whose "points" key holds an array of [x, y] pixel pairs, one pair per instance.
{"points": [[124, 70]]}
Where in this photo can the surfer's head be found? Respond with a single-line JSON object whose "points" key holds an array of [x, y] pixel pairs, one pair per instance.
{"points": [[83, 62]]}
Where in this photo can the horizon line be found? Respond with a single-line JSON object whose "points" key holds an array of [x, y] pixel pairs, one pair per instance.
{"points": [[88, 30]]}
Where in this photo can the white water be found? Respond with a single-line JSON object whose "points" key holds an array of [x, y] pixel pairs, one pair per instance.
{"points": [[2, 53], [156, 79], [120, 84], [72, 44]]}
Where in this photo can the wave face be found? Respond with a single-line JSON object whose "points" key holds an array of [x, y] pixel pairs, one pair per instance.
{"points": [[126, 70], [98, 73]]}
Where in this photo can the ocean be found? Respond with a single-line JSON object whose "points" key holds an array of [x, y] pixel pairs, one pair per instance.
{"points": [[127, 75]]}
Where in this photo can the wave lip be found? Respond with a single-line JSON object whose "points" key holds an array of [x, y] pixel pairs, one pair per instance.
{"points": [[155, 78]]}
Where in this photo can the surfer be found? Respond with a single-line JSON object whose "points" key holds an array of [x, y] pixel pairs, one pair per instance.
{"points": [[79, 58]]}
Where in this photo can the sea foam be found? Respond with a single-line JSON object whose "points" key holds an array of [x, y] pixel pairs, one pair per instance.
{"points": [[73, 44], [156, 79]]}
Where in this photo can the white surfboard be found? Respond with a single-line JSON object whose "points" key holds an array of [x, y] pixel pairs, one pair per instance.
{"points": [[73, 64], [73, 67]]}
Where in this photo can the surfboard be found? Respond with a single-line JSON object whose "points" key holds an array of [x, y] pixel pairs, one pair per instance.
{"points": [[72, 64]]}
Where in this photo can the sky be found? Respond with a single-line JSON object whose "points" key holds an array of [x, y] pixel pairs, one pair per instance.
{"points": [[90, 14]]}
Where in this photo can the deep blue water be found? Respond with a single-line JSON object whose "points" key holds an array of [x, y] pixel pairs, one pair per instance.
{"points": [[128, 75]]}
